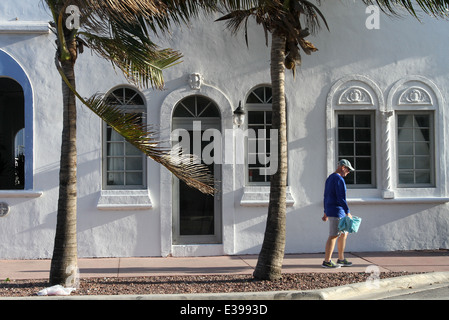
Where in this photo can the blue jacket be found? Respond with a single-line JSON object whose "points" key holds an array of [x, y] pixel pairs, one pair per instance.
{"points": [[335, 204]]}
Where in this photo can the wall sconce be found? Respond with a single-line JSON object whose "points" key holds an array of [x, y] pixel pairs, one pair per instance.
{"points": [[239, 115]]}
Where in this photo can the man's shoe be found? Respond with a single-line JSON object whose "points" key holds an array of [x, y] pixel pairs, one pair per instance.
{"points": [[330, 265], [344, 263]]}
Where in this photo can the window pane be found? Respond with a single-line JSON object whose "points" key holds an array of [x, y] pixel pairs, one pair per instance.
{"points": [[121, 155], [406, 177], [254, 176], [345, 135], [422, 121], [131, 150], [423, 177], [345, 120], [182, 111], [134, 179], [422, 148], [405, 148], [134, 163], [415, 151], [363, 121], [405, 121], [405, 134], [355, 143], [210, 111], [363, 149], [113, 135], [422, 135], [258, 144], [422, 163], [345, 149], [115, 149], [405, 163], [116, 164], [363, 177], [363, 163], [116, 179], [268, 116], [256, 117], [363, 135]]}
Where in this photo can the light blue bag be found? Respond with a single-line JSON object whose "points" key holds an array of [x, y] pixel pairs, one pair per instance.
{"points": [[347, 224]]}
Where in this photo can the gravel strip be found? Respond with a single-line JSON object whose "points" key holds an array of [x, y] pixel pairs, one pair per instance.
{"points": [[193, 284]]}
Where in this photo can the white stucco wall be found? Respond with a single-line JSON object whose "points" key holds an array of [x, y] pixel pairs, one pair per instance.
{"points": [[401, 48]]}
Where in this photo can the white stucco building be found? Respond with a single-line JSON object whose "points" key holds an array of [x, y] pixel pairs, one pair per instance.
{"points": [[377, 97]]}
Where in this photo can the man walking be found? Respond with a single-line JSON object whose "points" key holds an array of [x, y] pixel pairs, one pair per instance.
{"points": [[335, 208]]}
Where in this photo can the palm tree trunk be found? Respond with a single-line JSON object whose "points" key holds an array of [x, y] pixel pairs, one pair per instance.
{"points": [[64, 264], [269, 263]]}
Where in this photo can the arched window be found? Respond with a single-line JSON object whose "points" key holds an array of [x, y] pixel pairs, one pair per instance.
{"points": [[12, 122], [259, 110], [354, 103], [196, 107], [124, 166], [418, 119]]}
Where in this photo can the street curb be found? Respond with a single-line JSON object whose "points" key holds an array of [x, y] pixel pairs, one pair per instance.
{"points": [[375, 289], [372, 289]]}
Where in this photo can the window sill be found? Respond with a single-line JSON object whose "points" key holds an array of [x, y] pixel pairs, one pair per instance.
{"points": [[20, 194], [397, 200], [24, 27], [259, 196], [124, 200]]}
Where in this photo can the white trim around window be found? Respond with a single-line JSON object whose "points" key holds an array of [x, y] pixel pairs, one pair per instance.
{"points": [[413, 95], [130, 191], [416, 95]]}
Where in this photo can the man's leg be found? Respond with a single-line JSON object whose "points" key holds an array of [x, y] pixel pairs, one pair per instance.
{"points": [[330, 245], [341, 251], [342, 245]]}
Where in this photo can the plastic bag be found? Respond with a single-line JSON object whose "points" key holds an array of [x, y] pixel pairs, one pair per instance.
{"points": [[347, 224], [56, 290]]}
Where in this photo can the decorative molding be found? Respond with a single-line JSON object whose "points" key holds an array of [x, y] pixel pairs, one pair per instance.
{"points": [[355, 95], [415, 92], [415, 96], [195, 81]]}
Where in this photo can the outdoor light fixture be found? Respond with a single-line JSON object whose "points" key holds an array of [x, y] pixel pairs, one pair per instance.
{"points": [[239, 115]]}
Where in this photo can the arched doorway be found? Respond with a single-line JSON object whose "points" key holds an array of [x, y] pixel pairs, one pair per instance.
{"points": [[197, 218]]}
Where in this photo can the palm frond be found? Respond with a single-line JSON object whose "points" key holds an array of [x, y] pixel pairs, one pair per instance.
{"points": [[129, 49], [186, 167], [291, 18], [153, 14], [436, 8]]}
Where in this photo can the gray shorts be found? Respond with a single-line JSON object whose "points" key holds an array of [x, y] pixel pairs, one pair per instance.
{"points": [[333, 226]]}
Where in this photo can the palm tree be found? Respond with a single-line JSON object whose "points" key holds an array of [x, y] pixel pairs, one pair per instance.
{"points": [[289, 22], [118, 31]]}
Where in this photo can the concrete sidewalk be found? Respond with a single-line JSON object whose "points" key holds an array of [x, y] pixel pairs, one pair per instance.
{"points": [[434, 264], [411, 261]]}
